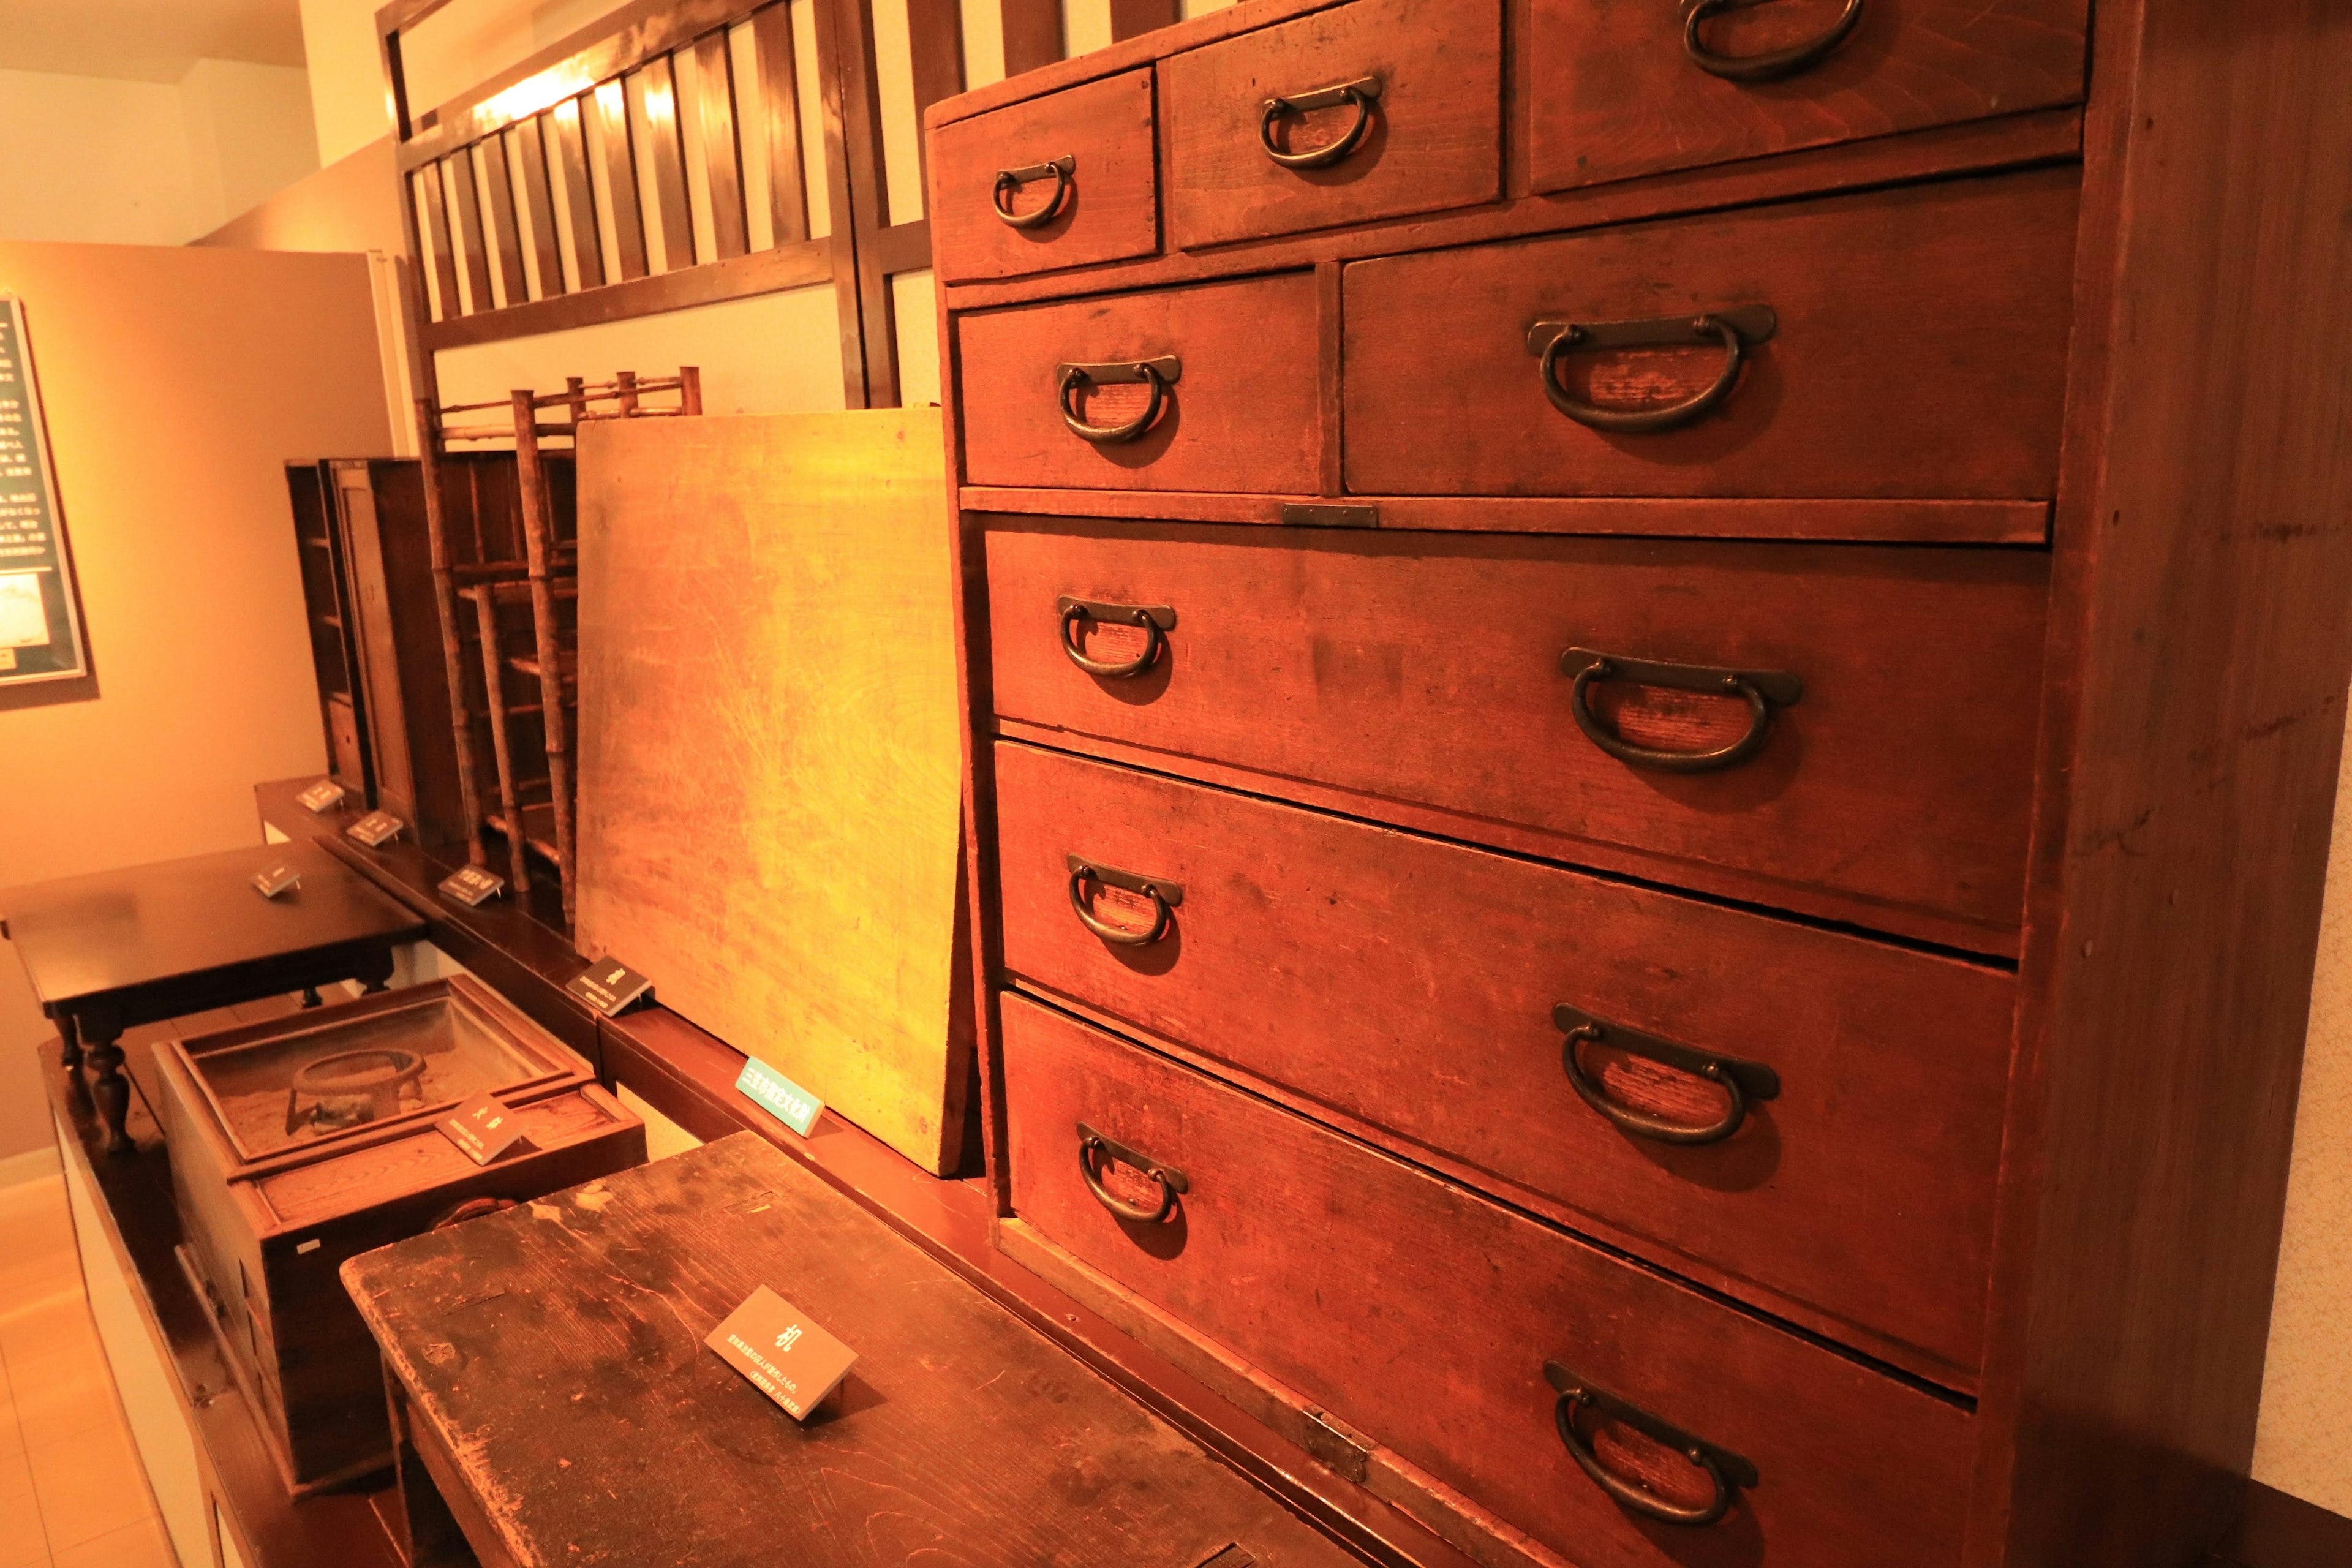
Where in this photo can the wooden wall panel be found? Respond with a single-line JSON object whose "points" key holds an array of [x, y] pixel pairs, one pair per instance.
{"points": [[770, 762]]}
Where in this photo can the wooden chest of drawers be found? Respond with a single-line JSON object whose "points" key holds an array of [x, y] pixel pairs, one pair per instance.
{"points": [[1654, 699]]}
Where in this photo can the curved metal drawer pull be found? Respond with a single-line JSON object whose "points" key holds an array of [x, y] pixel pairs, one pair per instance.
{"points": [[1094, 1147], [1762, 689], [1164, 895], [1741, 1082], [1010, 180], [1159, 374], [1726, 1472], [1736, 331], [1769, 66], [1360, 94], [1157, 621]]}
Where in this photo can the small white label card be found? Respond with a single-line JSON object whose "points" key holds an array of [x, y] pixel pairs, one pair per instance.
{"points": [[324, 795], [473, 886], [608, 985], [482, 1127], [376, 829], [787, 1358], [275, 878]]}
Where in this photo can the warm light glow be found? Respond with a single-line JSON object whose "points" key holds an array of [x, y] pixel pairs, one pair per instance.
{"points": [[527, 98]]}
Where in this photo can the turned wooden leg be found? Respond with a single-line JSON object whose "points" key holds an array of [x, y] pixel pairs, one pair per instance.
{"points": [[374, 973], [70, 1039], [310, 996], [108, 1088]]}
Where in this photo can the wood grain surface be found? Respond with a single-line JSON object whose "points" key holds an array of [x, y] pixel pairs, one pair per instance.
{"points": [[556, 1354], [769, 748], [1404, 987], [1432, 140], [1613, 91], [1920, 353], [1422, 1316], [1244, 416], [1423, 670], [1112, 210]]}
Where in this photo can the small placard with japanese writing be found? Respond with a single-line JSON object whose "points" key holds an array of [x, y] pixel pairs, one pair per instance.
{"points": [[376, 829], [275, 878], [787, 1358], [324, 795], [472, 886], [608, 985], [795, 1107], [483, 1128]]}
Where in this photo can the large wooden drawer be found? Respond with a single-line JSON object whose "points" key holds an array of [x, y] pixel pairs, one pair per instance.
{"points": [[1618, 88], [1424, 1316], [1061, 181], [1406, 988], [1917, 350], [1240, 405], [1427, 680], [1419, 130]]}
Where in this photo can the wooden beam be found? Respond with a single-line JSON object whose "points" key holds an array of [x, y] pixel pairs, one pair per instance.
{"points": [[935, 47], [796, 265], [568, 166], [1033, 34], [653, 103], [779, 112], [837, 58], [530, 161], [1130, 18], [621, 177], [466, 224], [505, 239], [714, 103]]}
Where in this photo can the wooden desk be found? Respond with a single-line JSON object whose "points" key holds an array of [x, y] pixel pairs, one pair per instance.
{"points": [[550, 1380], [121, 948]]}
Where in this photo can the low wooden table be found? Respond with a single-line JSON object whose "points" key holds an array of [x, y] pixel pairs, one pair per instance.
{"points": [[121, 948], [554, 1403]]}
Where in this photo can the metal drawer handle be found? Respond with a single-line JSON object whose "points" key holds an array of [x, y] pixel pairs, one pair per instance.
{"points": [[1157, 621], [1762, 689], [1737, 330], [1095, 1150], [1011, 180], [1741, 1082], [1358, 94], [1760, 68], [1726, 1472], [1164, 895], [1159, 374]]}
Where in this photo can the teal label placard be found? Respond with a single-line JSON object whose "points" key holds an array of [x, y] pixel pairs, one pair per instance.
{"points": [[795, 1107]]}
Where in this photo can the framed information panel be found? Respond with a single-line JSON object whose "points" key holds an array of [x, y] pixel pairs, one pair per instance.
{"points": [[40, 629]]}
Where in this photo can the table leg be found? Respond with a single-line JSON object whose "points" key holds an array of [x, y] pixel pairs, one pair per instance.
{"points": [[108, 1087], [375, 971], [310, 997], [70, 1040]]}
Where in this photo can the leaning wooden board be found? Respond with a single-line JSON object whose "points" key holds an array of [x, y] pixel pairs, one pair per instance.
{"points": [[552, 1358], [768, 752]]}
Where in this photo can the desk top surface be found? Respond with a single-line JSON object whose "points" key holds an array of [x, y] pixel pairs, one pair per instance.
{"points": [[81, 937], [555, 1352]]}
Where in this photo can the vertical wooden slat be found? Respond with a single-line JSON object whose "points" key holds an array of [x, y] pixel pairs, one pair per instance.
{"points": [[621, 177], [1033, 34], [714, 95], [837, 54], [779, 110], [935, 43], [465, 222], [1130, 17], [568, 162], [530, 161], [433, 221], [505, 239], [654, 89]]}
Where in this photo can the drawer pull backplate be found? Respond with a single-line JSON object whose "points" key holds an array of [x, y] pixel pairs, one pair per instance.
{"points": [[1358, 94], [1741, 1082], [1769, 66], [1736, 331], [1157, 621], [1096, 1151], [1010, 181], [1164, 895], [1726, 1472], [1158, 375], [1762, 689]]}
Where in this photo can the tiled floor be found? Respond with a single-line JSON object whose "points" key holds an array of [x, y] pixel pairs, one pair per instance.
{"points": [[73, 1494]]}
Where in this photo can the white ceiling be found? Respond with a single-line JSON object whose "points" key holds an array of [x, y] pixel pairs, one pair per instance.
{"points": [[146, 40]]}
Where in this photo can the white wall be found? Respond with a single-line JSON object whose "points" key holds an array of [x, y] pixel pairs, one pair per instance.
{"points": [[136, 163]]}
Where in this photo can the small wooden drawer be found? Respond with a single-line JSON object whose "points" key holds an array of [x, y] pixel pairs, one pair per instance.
{"points": [[1231, 401], [1425, 1317], [1850, 1186], [1617, 88], [1905, 343], [1061, 181], [1447, 682], [1370, 109]]}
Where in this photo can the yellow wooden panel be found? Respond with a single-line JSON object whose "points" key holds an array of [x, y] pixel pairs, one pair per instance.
{"points": [[769, 750]]}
